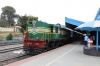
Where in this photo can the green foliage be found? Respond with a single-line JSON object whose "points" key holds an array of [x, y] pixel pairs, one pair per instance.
{"points": [[3, 23], [22, 30], [9, 37], [31, 18], [8, 14], [22, 22], [8, 9]]}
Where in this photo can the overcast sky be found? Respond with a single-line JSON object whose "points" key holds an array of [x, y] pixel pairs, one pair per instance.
{"points": [[55, 11]]}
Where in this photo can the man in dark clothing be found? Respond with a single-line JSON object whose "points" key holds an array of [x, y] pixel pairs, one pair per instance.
{"points": [[86, 40]]}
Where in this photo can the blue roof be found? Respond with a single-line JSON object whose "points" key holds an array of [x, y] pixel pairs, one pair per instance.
{"points": [[73, 21], [97, 17]]}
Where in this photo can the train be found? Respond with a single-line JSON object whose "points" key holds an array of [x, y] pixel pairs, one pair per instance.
{"points": [[42, 36]]}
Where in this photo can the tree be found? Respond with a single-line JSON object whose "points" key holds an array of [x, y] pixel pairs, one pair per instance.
{"points": [[31, 18], [8, 14], [22, 21], [3, 23]]}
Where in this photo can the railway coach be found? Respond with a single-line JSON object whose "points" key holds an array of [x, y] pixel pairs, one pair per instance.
{"points": [[42, 37]]}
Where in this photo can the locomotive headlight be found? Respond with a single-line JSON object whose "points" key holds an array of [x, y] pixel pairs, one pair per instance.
{"points": [[37, 37], [34, 23]]}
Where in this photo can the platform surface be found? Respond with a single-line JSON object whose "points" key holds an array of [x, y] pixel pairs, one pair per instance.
{"points": [[68, 55]]}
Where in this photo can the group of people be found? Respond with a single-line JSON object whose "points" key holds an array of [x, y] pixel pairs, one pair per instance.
{"points": [[88, 41]]}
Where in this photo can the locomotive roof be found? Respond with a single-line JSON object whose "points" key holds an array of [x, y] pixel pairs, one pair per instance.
{"points": [[62, 26], [78, 32]]}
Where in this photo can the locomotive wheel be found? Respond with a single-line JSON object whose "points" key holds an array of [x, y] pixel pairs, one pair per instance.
{"points": [[42, 49], [53, 45], [26, 52]]}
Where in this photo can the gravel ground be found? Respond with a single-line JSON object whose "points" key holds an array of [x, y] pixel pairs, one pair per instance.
{"points": [[14, 60], [6, 58], [12, 54]]}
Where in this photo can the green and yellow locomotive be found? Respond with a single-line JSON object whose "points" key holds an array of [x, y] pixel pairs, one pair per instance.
{"points": [[42, 37]]}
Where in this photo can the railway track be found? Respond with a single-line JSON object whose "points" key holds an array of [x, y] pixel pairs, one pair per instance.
{"points": [[10, 53], [8, 61], [11, 49], [6, 44]]}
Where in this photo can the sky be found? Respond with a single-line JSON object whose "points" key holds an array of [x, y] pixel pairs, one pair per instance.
{"points": [[55, 11]]}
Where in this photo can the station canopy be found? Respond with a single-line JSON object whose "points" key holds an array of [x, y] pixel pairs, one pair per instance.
{"points": [[72, 23]]}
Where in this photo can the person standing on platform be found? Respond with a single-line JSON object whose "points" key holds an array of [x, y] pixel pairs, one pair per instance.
{"points": [[86, 41], [93, 39], [90, 41]]}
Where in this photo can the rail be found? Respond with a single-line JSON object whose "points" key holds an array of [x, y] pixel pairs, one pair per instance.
{"points": [[11, 49], [5, 44]]}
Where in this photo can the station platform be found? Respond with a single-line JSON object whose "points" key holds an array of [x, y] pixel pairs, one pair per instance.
{"points": [[67, 55]]}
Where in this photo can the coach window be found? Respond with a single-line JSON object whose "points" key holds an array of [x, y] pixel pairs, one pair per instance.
{"points": [[51, 29], [56, 29], [71, 33]]}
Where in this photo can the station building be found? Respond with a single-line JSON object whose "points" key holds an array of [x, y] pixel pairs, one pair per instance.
{"points": [[73, 23]]}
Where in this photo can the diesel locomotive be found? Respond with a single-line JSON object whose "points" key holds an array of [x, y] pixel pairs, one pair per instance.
{"points": [[42, 36]]}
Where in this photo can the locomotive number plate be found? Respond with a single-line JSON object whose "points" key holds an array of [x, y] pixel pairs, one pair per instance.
{"points": [[36, 43], [29, 43]]}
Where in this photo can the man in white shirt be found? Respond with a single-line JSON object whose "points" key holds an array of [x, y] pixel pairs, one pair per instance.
{"points": [[86, 40]]}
